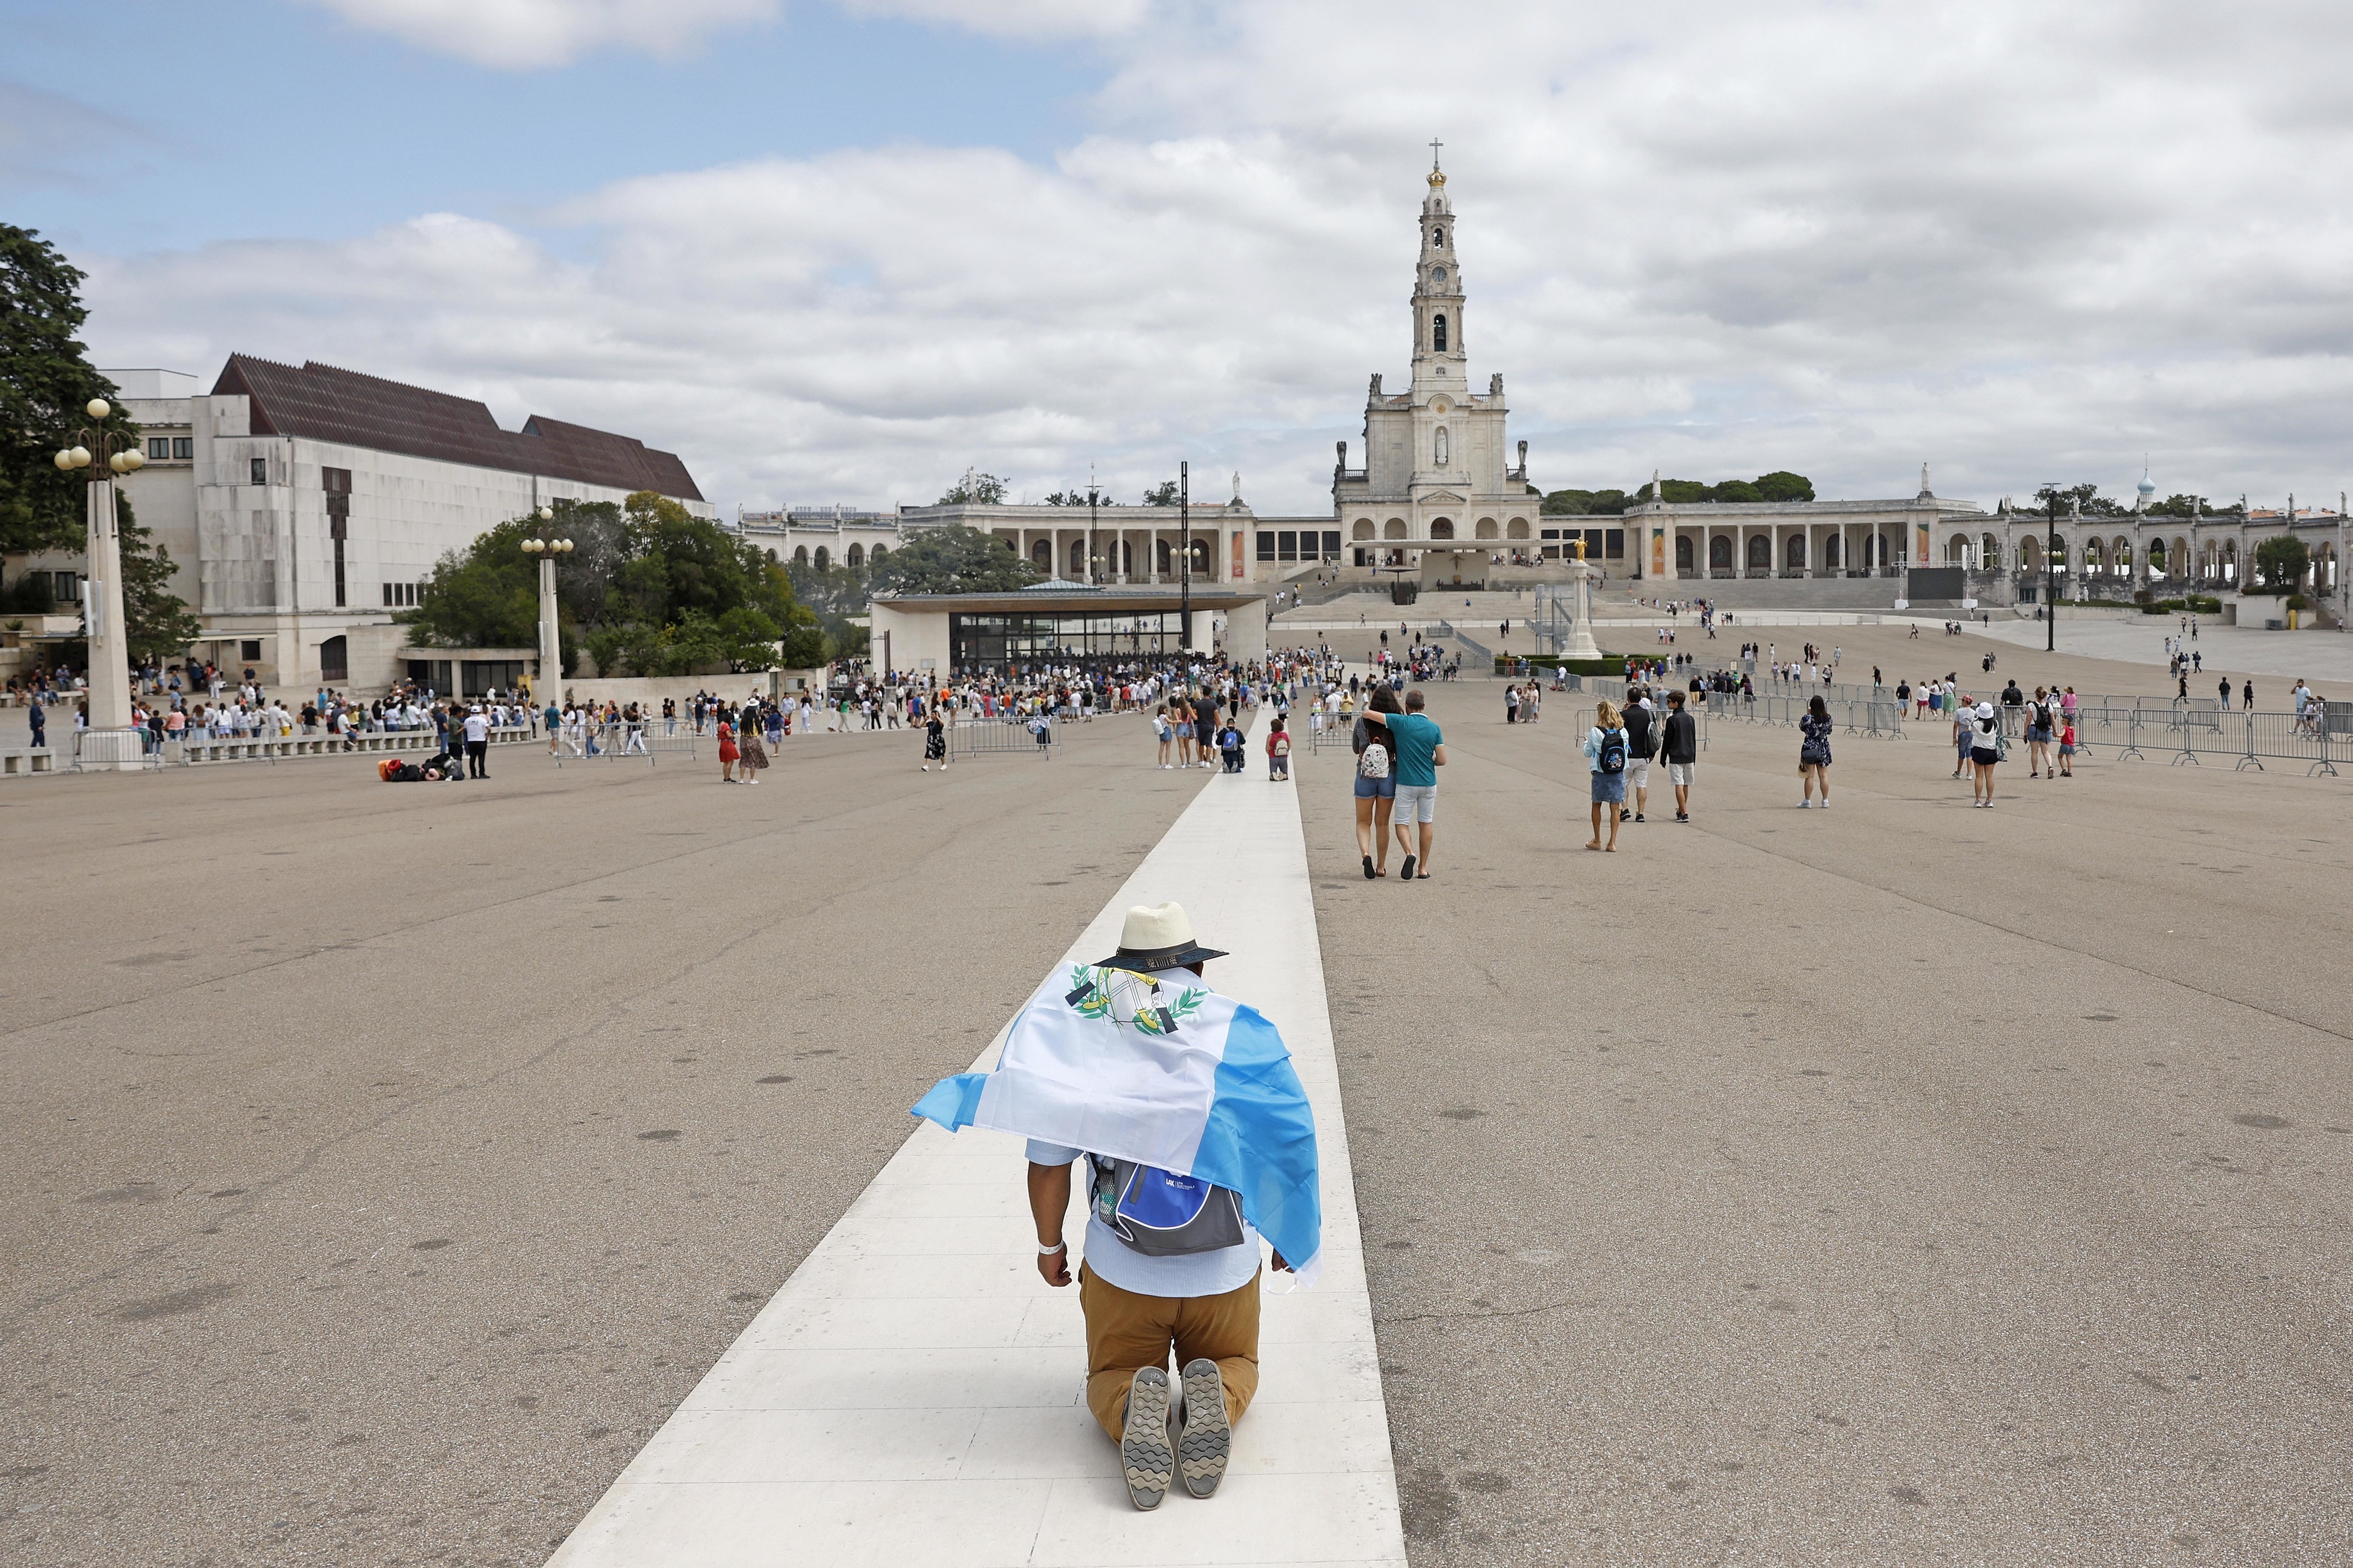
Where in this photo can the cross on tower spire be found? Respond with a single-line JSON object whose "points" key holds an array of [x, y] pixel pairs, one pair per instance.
{"points": [[1434, 145]]}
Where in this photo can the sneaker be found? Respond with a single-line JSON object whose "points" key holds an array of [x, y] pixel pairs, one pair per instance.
{"points": [[1144, 1455], [1206, 1438], [1826, 803], [1638, 817], [1805, 805], [1682, 817]]}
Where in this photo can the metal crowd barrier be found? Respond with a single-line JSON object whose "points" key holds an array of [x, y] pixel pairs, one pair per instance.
{"points": [[607, 740], [1001, 736]]}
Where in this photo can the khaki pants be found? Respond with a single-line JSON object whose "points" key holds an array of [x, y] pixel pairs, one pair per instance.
{"points": [[1126, 1332]]}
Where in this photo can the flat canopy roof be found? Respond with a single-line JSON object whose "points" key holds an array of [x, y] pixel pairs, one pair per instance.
{"points": [[1122, 600]]}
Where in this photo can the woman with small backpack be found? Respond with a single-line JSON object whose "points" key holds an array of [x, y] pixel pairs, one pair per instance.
{"points": [[1375, 783], [1278, 752], [1814, 752], [1605, 750], [1985, 750]]}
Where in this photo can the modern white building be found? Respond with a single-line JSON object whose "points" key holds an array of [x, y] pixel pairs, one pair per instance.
{"points": [[303, 506]]}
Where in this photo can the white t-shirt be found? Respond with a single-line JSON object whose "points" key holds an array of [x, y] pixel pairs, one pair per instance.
{"points": [[477, 728]]}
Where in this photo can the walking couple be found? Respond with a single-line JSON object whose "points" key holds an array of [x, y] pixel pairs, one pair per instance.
{"points": [[1398, 755]]}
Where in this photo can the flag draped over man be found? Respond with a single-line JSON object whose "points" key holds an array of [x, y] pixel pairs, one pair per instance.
{"points": [[1164, 1071]]}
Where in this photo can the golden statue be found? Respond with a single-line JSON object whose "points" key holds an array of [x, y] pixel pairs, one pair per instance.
{"points": [[1580, 547]]}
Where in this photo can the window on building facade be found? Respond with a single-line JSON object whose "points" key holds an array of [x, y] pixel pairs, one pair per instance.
{"points": [[1331, 544], [1266, 544], [1286, 545], [249, 647], [335, 659], [1438, 333], [65, 587], [258, 472], [183, 447], [159, 447]]}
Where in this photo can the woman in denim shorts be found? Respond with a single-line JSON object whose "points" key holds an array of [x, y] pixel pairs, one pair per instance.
{"points": [[1376, 796]]}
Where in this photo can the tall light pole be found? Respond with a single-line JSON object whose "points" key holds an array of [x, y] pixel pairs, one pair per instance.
{"points": [[546, 548], [103, 454], [1094, 577], [2051, 574], [1185, 567]]}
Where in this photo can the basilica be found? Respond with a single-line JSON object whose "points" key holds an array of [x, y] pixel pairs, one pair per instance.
{"points": [[1438, 489]]}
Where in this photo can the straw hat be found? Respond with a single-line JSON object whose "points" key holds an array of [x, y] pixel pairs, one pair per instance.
{"points": [[1156, 937]]}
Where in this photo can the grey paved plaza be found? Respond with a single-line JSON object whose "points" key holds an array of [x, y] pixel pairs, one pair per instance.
{"points": [[1895, 1184]]}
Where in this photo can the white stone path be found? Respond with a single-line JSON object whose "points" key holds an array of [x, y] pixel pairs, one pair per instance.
{"points": [[911, 1396]]}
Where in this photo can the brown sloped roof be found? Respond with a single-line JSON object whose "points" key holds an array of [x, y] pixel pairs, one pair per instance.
{"points": [[323, 402]]}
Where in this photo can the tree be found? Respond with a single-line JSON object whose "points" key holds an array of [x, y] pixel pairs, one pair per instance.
{"points": [[1066, 498], [2182, 506], [1683, 492], [975, 489], [957, 559], [1781, 485], [1162, 494], [1583, 503], [835, 594], [1736, 490], [488, 596], [2086, 498], [2280, 563], [44, 381], [650, 589]]}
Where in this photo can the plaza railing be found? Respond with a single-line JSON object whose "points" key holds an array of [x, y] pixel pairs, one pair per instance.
{"points": [[1002, 736], [619, 740]]}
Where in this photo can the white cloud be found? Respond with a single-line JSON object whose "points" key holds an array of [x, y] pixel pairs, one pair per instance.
{"points": [[515, 35], [525, 35], [2019, 243]]}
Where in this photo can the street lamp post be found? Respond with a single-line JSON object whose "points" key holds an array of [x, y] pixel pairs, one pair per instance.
{"points": [[1185, 567], [2051, 574], [546, 548], [103, 454], [1093, 576]]}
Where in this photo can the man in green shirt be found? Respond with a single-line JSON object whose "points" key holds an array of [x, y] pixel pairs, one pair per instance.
{"points": [[1421, 752]]}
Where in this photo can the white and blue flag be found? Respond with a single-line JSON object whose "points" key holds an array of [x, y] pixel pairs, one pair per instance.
{"points": [[1162, 1070]]}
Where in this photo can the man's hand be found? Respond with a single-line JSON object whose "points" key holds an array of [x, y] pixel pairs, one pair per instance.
{"points": [[1280, 1266], [1049, 1201]]}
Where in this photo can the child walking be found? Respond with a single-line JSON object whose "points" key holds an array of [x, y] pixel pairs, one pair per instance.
{"points": [[1278, 753]]}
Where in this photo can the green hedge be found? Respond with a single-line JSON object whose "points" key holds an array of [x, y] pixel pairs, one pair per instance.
{"points": [[2195, 604], [1607, 665]]}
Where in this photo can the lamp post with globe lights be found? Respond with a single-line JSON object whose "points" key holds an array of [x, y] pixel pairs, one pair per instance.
{"points": [[102, 456], [546, 548]]}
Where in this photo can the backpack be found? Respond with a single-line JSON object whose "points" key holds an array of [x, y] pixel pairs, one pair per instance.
{"points": [[1613, 751], [1373, 763], [1282, 745], [1160, 1214]]}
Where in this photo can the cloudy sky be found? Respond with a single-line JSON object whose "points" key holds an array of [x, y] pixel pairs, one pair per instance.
{"points": [[840, 251]]}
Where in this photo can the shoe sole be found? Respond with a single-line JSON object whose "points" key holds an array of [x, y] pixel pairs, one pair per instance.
{"points": [[1208, 1440], [1409, 863], [1145, 1460]]}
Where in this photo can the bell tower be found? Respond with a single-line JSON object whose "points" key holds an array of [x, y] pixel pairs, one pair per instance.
{"points": [[1440, 363]]}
